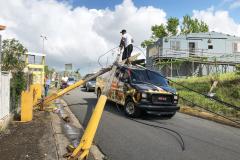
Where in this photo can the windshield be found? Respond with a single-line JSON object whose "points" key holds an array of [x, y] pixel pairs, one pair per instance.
{"points": [[93, 80], [139, 76], [70, 79]]}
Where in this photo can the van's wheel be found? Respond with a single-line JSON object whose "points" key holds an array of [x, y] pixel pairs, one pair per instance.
{"points": [[131, 110], [87, 88], [99, 93]]}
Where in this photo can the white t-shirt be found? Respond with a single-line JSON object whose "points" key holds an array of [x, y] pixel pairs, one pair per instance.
{"points": [[127, 39], [64, 79]]}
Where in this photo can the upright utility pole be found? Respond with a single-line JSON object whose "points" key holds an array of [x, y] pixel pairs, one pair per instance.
{"points": [[43, 39]]}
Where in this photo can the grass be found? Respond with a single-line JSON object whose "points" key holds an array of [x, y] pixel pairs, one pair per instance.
{"points": [[227, 90]]}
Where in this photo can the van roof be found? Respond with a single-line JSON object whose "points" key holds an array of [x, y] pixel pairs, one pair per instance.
{"points": [[133, 67]]}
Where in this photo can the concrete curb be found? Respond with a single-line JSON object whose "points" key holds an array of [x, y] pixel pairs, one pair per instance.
{"points": [[206, 115], [60, 139], [94, 151]]}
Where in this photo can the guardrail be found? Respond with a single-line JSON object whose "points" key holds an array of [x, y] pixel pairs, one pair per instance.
{"points": [[201, 53]]}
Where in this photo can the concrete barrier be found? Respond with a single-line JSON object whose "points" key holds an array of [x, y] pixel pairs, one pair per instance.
{"points": [[28, 100], [26, 106], [36, 89]]}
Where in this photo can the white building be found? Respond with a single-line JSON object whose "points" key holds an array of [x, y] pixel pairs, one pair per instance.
{"points": [[199, 44], [212, 46]]}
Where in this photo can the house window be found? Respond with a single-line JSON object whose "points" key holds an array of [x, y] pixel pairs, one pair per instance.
{"points": [[236, 47], [210, 46], [175, 45]]}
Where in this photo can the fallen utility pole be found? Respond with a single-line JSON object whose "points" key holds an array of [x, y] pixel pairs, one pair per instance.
{"points": [[84, 146], [82, 151], [47, 100]]}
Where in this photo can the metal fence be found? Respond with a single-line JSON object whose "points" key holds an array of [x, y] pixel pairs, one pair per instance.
{"points": [[4, 94]]}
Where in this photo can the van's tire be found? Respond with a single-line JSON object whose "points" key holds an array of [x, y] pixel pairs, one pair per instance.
{"points": [[131, 110], [98, 93]]}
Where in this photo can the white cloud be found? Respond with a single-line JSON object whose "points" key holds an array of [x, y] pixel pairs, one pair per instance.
{"points": [[219, 21], [75, 35], [235, 4]]}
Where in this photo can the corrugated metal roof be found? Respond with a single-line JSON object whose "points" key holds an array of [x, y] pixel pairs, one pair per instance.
{"points": [[211, 35]]}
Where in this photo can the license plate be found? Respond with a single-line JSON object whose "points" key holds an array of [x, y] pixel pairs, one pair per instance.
{"points": [[162, 98]]}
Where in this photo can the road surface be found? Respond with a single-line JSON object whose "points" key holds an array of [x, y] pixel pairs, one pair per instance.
{"points": [[120, 138]]}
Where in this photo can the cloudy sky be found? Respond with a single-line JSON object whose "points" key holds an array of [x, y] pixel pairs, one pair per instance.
{"points": [[79, 31]]}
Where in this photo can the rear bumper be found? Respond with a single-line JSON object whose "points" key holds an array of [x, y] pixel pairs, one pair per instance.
{"points": [[159, 108]]}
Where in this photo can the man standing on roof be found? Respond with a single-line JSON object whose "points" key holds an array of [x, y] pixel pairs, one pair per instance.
{"points": [[126, 43]]}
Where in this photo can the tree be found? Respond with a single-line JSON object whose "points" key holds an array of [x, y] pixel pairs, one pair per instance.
{"points": [[12, 55], [172, 26], [13, 60], [146, 43], [159, 31], [48, 71], [191, 25]]}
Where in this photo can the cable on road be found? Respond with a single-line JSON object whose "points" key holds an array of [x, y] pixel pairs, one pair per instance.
{"points": [[236, 122], [156, 126], [206, 96]]}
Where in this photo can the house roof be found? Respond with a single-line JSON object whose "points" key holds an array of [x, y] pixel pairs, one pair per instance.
{"points": [[203, 35]]}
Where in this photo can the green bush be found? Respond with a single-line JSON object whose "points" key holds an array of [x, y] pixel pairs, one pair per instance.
{"points": [[238, 69], [228, 90], [17, 85]]}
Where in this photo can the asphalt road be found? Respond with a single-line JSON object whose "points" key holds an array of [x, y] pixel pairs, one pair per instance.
{"points": [[120, 138]]}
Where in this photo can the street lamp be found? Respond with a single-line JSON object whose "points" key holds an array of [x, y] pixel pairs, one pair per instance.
{"points": [[43, 39]]}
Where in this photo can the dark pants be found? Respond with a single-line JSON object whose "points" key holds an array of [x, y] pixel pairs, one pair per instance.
{"points": [[127, 52], [46, 87]]}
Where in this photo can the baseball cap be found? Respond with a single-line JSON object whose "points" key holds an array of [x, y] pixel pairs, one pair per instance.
{"points": [[123, 31]]}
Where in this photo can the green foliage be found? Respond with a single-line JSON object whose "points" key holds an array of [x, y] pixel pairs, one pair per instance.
{"points": [[12, 55], [191, 25], [172, 26], [18, 82], [158, 31], [48, 71], [228, 90], [12, 60], [17, 85], [146, 43], [238, 69]]}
